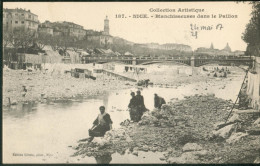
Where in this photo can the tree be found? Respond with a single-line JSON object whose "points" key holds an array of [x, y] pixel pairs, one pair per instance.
{"points": [[43, 39], [7, 37], [21, 38], [252, 32], [65, 43], [76, 44], [55, 42]]}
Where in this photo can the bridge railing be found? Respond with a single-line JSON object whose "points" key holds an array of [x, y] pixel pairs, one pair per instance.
{"points": [[168, 58]]}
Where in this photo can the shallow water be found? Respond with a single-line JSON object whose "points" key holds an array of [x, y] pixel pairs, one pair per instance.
{"points": [[42, 132]]}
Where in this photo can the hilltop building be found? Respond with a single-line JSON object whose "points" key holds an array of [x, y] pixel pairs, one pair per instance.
{"points": [[102, 37], [45, 28], [225, 51], [106, 26], [227, 48], [211, 46], [65, 28], [20, 18]]}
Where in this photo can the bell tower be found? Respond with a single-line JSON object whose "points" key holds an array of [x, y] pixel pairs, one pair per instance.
{"points": [[106, 26]]}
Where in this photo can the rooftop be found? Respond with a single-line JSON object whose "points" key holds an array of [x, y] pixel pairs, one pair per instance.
{"points": [[20, 10]]}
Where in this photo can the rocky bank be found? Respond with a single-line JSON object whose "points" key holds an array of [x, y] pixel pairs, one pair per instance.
{"points": [[186, 131]]}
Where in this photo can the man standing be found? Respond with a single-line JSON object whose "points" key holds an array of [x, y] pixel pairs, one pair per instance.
{"points": [[140, 105], [158, 101], [133, 107], [101, 125]]}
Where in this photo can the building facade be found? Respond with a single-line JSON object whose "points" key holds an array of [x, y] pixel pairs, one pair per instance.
{"points": [[20, 18], [103, 37], [65, 28], [45, 28], [226, 51]]}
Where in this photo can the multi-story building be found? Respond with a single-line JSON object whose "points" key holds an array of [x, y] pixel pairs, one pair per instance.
{"points": [[20, 18], [65, 28], [45, 28]]}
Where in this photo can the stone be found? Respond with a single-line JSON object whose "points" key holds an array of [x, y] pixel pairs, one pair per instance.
{"points": [[135, 149], [100, 141], [166, 106], [191, 147], [235, 137], [220, 125], [135, 153], [147, 119], [254, 131], [234, 118], [125, 123], [224, 132], [257, 160], [185, 158], [257, 122], [145, 148], [128, 139], [162, 158], [14, 102]]}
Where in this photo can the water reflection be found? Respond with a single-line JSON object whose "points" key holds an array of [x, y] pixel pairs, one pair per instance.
{"points": [[20, 110]]}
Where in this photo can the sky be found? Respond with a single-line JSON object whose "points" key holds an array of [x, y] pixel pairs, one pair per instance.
{"points": [[91, 15]]}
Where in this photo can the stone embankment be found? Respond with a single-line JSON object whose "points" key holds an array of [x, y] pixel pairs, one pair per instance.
{"points": [[186, 131]]}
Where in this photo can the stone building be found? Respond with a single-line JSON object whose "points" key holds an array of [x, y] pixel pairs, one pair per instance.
{"points": [[65, 28], [106, 26], [102, 37], [226, 51], [45, 28], [20, 18]]}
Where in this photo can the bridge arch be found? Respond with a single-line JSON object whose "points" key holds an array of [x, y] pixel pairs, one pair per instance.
{"points": [[226, 63], [114, 61], [167, 62]]}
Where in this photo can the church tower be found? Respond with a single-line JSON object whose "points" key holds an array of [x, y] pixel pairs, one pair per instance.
{"points": [[227, 48], [211, 46], [106, 26]]}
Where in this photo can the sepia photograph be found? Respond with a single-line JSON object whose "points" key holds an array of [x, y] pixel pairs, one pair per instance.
{"points": [[131, 82]]}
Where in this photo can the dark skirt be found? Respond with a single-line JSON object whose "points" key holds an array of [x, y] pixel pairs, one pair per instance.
{"points": [[98, 131], [135, 114]]}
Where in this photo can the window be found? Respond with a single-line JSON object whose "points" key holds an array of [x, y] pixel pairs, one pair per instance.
{"points": [[16, 14], [22, 22], [22, 14], [16, 22], [29, 16]]}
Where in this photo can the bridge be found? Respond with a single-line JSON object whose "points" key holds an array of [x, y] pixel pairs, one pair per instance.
{"points": [[190, 61]]}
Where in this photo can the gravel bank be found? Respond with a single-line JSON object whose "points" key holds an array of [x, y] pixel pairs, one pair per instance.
{"points": [[42, 86]]}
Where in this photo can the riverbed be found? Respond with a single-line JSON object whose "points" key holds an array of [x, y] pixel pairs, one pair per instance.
{"points": [[44, 132]]}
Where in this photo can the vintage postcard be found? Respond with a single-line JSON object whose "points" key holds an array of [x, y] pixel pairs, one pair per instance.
{"points": [[130, 82]]}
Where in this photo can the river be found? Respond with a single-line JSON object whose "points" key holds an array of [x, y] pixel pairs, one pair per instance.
{"points": [[43, 132]]}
